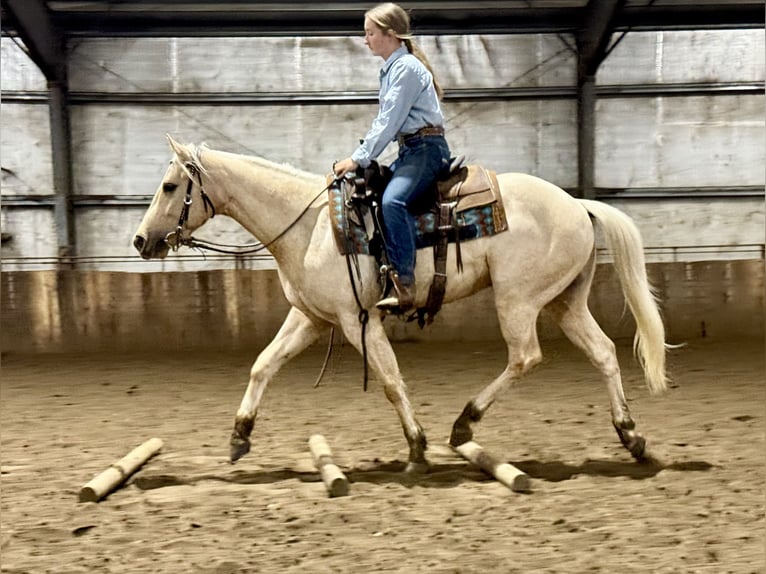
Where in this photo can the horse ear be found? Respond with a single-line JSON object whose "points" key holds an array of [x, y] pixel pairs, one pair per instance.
{"points": [[179, 149]]}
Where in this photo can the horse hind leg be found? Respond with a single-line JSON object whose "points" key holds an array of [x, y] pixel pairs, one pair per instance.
{"points": [[295, 335], [523, 354], [571, 312]]}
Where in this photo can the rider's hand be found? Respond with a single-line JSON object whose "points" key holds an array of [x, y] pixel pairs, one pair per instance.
{"points": [[341, 168]]}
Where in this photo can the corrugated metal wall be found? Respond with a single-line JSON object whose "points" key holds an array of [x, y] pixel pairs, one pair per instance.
{"points": [[128, 93], [666, 120]]}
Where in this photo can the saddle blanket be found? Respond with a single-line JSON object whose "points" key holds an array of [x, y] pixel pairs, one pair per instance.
{"points": [[478, 212]]}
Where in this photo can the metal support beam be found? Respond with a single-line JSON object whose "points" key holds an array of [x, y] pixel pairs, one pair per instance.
{"points": [[163, 18], [700, 15], [586, 137], [592, 44], [47, 49], [45, 44], [62, 163], [593, 38]]}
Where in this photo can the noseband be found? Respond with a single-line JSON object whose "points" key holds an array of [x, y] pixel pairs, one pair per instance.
{"points": [[175, 239]]}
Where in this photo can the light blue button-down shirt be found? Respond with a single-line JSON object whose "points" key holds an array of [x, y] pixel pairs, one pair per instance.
{"points": [[408, 102]]}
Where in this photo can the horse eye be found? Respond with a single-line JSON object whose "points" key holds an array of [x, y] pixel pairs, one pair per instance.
{"points": [[168, 187]]}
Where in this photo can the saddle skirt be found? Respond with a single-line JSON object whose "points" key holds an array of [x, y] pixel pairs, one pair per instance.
{"points": [[471, 193]]}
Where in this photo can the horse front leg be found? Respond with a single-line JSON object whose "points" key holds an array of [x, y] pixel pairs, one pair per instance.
{"points": [[383, 361], [295, 335]]}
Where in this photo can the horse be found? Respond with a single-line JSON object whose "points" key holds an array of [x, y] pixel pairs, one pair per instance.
{"points": [[546, 259]]}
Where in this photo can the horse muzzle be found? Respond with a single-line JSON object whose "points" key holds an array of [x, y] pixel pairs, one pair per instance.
{"points": [[151, 249]]}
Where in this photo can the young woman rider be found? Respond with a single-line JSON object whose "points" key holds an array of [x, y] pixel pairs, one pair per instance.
{"points": [[410, 113]]}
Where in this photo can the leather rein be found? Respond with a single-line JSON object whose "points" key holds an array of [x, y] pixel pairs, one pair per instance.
{"points": [[175, 239]]}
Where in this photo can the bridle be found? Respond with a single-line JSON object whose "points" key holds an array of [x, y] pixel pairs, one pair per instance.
{"points": [[175, 239]]}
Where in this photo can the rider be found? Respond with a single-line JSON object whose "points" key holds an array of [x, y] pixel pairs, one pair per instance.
{"points": [[410, 113]]}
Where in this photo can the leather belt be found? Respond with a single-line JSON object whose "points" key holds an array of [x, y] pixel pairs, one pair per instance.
{"points": [[428, 131]]}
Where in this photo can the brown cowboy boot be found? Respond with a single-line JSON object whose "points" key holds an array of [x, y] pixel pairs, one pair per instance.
{"points": [[403, 298]]}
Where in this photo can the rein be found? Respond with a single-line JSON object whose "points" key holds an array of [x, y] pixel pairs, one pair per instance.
{"points": [[175, 239]]}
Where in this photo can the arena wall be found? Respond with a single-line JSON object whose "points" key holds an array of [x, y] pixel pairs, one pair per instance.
{"points": [[90, 311]]}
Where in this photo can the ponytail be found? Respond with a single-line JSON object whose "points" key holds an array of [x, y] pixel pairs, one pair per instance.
{"points": [[414, 49]]}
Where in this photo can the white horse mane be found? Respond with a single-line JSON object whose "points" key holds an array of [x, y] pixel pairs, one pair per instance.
{"points": [[195, 153], [283, 167]]}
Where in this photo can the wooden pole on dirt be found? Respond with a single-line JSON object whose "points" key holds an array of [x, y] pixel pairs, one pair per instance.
{"points": [[334, 480], [119, 472], [504, 472]]}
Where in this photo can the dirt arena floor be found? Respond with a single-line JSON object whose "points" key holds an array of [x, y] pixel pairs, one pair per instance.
{"points": [[592, 509]]}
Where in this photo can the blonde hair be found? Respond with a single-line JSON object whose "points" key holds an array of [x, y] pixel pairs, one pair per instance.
{"points": [[392, 18]]}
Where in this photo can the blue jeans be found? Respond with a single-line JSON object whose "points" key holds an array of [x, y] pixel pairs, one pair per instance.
{"points": [[421, 160]]}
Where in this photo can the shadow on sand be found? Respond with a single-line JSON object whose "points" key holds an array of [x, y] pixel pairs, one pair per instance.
{"points": [[556, 471], [441, 475]]}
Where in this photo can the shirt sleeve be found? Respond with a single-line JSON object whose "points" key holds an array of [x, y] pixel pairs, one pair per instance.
{"points": [[401, 92]]}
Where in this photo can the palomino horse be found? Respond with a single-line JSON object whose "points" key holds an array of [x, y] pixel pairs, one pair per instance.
{"points": [[546, 259]]}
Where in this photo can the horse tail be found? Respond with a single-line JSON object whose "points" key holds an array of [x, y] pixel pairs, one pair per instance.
{"points": [[624, 242]]}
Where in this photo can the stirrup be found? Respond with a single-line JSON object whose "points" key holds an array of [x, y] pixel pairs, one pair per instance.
{"points": [[391, 303], [403, 299]]}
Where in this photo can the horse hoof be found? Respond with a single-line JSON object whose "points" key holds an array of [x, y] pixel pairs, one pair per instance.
{"points": [[239, 448], [637, 447], [415, 468], [460, 436], [631, 440]]}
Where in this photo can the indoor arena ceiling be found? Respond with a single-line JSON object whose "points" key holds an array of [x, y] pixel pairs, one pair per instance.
{"points": [[44, 25], [301, 17]]}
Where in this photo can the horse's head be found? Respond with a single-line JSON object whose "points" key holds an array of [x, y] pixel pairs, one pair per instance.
{"points": [[180, 205]]}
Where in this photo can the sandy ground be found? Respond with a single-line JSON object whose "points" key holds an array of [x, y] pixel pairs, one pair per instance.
{"points": [[592, 508]]}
